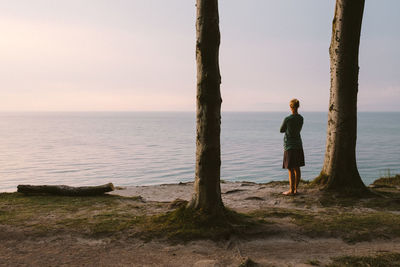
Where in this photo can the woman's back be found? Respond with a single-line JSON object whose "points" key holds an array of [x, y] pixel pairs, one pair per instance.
{"points": [[291, 126]]}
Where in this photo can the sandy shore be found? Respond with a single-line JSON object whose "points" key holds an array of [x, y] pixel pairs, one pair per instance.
{"points": [[242, 196]]}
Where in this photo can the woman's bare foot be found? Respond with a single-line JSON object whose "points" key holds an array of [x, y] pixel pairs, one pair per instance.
{"points": [[288, 193]]}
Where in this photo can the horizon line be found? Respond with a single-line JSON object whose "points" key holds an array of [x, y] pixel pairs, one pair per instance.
{"points": [[169, 111]]}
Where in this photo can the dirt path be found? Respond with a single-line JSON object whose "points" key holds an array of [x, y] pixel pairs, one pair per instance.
{"points": [[77, 251]]}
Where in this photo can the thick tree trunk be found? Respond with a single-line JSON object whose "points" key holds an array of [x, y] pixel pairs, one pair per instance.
{"points": [[340, 169], [207, 196], [64, 190]]}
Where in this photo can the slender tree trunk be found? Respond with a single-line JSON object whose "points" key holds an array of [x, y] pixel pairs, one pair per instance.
{"points": [[207, 196], [340, 169]]}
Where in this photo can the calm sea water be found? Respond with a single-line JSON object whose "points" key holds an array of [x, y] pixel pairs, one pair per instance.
{"points": [[154, 148]]}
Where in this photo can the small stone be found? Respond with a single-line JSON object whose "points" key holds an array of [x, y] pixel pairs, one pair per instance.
{"points": [[254, 198], [233, 191], [247, 184]]}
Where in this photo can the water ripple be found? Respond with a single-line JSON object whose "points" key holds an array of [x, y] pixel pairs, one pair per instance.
{"points": [[155, 148]]}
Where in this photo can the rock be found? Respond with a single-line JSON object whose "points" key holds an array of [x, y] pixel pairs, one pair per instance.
{"points": [[233, 191], [254, 198], [247, 184]]}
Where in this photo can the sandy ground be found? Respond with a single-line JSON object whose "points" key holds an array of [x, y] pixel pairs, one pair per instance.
{"points": [[17, 248], [242, 196], [74, 251]]}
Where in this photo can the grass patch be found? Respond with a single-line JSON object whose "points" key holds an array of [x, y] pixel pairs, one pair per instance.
{"points": [[378, 199], [88, 215], [321, 179], [380, 260], [184, 224], [281, 213], [351, 227], [391, 181], [330, 199], [102, 224], [385, 200], [115, 215], [277, 183]]}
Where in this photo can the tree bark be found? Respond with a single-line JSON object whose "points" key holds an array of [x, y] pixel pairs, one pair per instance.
{"points": [[340, 168], [207, 196], [65, 190]]}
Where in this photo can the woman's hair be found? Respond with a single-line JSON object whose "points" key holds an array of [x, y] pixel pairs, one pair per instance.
{"points": [[294, 103]]}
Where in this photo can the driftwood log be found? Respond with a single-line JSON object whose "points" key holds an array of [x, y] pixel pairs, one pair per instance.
{"points": [[64, 190]]}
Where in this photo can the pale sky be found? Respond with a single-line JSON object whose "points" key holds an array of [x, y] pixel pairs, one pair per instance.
{"points": [[131, 55]]}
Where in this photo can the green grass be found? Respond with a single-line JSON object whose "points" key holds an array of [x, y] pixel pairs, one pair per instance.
{"points": [[277, 183], [382, 199], [281, 213], [389, 201], [184, 224], [321, 179], [391, 181], [88, 215], [101, 224], [114, 215], [351, 227], [380, 260], [330, 199], [339, 216]]}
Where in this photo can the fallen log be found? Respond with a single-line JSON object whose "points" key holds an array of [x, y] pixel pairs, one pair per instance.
{"points": [[64, 190]]}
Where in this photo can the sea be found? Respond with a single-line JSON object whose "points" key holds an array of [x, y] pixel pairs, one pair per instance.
{"points": [[148, 148]]}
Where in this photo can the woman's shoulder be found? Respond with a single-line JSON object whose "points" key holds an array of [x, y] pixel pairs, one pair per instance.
{"points": [[294, 117]]}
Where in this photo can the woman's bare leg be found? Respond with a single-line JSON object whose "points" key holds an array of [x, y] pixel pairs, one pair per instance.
{"points": [[292, 182], [297, 173]]}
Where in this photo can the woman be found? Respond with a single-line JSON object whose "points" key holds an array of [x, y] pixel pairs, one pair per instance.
{"points": [[293, 157]]}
